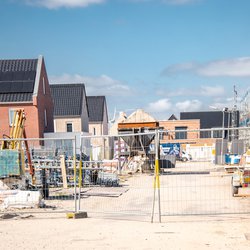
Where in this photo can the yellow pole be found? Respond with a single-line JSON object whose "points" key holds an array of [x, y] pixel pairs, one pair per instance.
{"points": [[156, 177], [80, 173]]}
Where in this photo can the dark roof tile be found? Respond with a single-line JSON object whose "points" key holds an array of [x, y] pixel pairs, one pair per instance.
{"points": [[16, 97], [17, 79], [96, 105], [18, 65], [67, 99]]}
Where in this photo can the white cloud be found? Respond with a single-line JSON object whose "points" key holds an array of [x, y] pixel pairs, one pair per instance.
{"points": [[159, 106], [55, 4], [235, 67], [189, 105], [102, 85], [232, 67], [208, 91], [212, 91], [162, 105]]}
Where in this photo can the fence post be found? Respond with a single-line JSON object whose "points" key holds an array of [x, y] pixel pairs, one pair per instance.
{"points": [[119, 153], [156, 176], [74, 162], [80, 176]]}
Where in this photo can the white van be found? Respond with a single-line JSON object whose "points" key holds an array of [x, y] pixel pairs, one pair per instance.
{"points": [[185, 156]]}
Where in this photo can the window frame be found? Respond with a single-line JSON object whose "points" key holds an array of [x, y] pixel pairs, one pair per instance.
{"points": [[69, 123], [44, 87], [45, 118], [11, 116], [181, 135]]}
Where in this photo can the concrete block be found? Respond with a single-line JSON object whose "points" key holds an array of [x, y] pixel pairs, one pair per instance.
{"points": [[77, 215], [244, 191]]}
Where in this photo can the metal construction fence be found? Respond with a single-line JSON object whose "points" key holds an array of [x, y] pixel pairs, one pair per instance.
{"points": [[161, 173]]}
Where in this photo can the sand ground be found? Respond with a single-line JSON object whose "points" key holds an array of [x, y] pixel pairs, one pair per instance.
{"points": [[204, 193], [54, 231]]}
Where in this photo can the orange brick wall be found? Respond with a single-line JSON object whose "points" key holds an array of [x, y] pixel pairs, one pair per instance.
{"points": [[172, 124], [192, 137]]}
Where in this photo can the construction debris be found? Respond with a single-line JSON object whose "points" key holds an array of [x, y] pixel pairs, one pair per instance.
{"points": [[15, 216], [22, 199]]}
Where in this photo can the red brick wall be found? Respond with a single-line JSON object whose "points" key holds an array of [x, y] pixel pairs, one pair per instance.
{"points": [[44, 101], [35, 115], [31, 123]]}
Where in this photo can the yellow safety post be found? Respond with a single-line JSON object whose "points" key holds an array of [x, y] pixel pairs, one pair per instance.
{"points": [[80, 174], [157, 175]]}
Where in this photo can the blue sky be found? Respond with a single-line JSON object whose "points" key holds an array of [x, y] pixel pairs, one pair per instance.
{"points": [[164, 56]]}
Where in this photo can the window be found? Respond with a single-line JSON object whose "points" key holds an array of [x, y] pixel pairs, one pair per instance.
{"points": [[181, 134], [45, 118], [94, 131], [44, 88], [69, 127], [11, 116], [217, 133], [205, 134]]}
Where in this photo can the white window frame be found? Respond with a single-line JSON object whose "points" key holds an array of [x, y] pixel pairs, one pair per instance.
{"points": [[44, 87], [68, 123], [45, 118], [11, 116]]}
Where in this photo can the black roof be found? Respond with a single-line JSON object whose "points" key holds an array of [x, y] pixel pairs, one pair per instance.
{"points": [[96, 105], [208, 119], [67, 99], [172, 117], [17, 79]]}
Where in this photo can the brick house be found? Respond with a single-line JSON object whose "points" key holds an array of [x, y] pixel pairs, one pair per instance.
{"points": [[70, 108], [183, 136], [24, 85]]}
